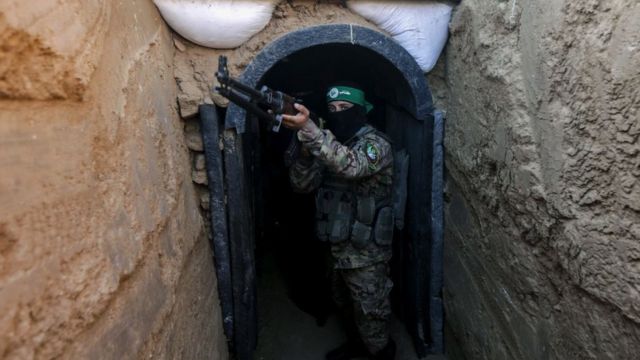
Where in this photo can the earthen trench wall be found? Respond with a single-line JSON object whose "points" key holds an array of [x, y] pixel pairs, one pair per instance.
{"points": [[103, 249], [543, 159]]}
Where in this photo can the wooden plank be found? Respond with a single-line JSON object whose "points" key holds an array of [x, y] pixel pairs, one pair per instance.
{"points": [[241, 240], [436, 308], [209, 125]]}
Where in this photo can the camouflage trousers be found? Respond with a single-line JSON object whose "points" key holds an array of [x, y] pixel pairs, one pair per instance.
{"points": [[363, 296]]}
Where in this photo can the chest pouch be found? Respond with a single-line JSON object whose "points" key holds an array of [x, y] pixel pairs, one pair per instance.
{"points": [[361, 230], [383, 229], [360, 235], [366, 209], [334, 215]]}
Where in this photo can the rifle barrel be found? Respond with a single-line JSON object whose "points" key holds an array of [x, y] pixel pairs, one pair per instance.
{"points": [[247, 105], [253, 93]]}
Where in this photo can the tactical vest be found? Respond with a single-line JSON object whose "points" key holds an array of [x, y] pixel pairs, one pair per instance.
{"points": [[343, 215]]}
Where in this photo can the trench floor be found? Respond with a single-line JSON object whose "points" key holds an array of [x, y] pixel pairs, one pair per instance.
{"points": [[288, 333]]}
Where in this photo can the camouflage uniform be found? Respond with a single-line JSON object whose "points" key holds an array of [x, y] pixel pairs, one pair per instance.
{"points": [[365, 167]]}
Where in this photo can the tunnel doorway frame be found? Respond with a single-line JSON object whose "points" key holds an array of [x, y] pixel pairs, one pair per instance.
{"points": [[232, 217]]}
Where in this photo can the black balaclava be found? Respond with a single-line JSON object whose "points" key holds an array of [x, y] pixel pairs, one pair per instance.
{"points": [[345, 124]]}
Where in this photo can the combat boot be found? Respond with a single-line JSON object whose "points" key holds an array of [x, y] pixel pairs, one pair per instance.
{"points": [[350, 350], [388, 353]]}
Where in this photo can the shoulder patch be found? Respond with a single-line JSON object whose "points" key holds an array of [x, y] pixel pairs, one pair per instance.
{"points": [[373, 153]]}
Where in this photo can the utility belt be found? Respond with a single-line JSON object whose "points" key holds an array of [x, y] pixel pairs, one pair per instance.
{"points": [[341, 216]]}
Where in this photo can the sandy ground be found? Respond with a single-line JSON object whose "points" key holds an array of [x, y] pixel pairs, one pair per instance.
{"points": [[288, 333]]}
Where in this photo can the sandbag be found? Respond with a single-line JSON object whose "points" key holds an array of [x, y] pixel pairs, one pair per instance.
{"points": [[220, 24], [421, 27]]}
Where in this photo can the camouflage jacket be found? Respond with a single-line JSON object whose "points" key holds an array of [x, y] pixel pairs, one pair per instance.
{"points": [[367, 163]]}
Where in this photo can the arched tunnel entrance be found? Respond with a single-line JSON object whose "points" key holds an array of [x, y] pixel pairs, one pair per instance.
{"points": [[262, 229]]}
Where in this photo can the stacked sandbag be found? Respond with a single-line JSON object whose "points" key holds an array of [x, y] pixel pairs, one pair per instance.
{"points": [[219, 24], [421, 27]]}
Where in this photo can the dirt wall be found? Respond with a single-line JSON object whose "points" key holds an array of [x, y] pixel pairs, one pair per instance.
{"points": [[543, 217], [103, 252]]}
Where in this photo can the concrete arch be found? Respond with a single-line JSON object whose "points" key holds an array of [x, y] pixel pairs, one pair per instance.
{"points": [[410, 113], [421, 105]]}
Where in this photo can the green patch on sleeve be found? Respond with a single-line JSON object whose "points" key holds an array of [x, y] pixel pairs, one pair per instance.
{"points": [[373, 153]]}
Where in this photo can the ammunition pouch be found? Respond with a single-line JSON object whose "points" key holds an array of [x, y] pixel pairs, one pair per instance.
{"points": [[341, 216], [360, 235], [383, 229], [334, 215], [362, 227], [366, 209]]}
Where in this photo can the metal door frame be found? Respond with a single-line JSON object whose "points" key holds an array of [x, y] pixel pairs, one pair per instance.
{"points": [[233, 218]]}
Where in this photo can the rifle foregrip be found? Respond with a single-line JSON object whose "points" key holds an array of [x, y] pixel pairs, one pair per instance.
{"points": [[289, 108]]}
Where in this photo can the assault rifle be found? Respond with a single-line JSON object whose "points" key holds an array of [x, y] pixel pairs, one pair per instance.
{"points": [[255, 102]]}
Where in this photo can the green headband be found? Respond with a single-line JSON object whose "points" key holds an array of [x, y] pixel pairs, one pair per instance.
{"points": [[346, 93]]}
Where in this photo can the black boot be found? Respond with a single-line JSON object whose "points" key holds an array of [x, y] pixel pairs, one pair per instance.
{"points": [[388, 353], [349, 350]]}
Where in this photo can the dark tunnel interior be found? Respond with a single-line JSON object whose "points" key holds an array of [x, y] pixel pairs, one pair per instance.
{"points": [[284, 219]]}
